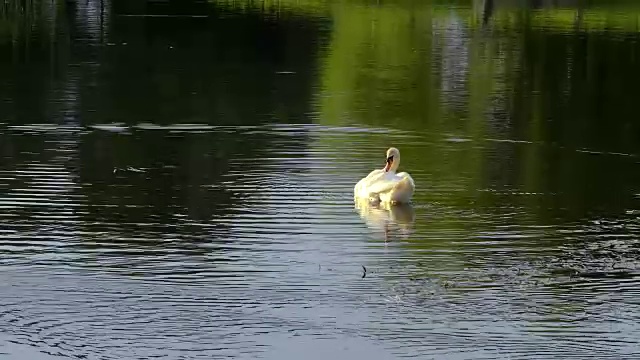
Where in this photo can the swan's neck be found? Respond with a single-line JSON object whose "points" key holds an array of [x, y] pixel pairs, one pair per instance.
{"points": [[392, 167]]}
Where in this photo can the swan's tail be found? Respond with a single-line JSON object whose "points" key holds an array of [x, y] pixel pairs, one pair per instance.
{"points": [[403, 190], [406, 184]]}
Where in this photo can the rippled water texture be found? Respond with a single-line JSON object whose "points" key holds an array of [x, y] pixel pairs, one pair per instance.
{"points": [[176, 180]]}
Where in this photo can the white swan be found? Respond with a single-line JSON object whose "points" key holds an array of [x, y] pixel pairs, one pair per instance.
{"points": [[384, 185]]}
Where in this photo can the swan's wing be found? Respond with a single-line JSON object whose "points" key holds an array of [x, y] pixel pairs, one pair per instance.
{"points": [[382, 186], [407, 177], [375, 173], [371, 177], [368, 179]]}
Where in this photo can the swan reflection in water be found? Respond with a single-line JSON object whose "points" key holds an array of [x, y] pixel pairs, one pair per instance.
{"points": [[396, 221]]}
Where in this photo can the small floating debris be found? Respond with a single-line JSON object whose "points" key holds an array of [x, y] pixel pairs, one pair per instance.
{"points": [[213, 186], [114, 127], [177, 127], [610, 153], [164, 15], [395, 299], [457, 139], [46, 128], [509, 141], [285, 72], [129, 168]]}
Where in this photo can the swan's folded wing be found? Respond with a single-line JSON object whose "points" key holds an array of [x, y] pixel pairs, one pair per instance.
{"points": [[384, 185], [375, 173], [381, 186], [373, 176], [364, 182]]}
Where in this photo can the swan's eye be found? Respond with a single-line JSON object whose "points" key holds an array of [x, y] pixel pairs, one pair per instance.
{"points": [[390, 159]]}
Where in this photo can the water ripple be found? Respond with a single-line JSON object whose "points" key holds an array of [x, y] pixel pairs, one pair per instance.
{"points": [[281, 254]]}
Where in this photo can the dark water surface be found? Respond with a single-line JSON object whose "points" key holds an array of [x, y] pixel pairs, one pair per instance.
{"points": [[176, 180]]}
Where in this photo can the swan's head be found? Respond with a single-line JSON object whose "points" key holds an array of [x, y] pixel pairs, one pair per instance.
{"points": [[393, 159]]}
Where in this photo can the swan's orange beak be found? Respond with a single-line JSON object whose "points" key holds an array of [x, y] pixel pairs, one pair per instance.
{"points": [[388, 164]]}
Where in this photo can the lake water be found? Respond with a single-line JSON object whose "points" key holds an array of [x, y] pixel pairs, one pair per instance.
{"points": [[176, 180]]}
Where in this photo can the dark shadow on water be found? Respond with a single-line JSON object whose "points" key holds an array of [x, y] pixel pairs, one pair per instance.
{"points": [[86, 65]]}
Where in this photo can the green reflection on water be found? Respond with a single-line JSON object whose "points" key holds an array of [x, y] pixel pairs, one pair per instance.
{"points": [[557, 89], [456, 76]]}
